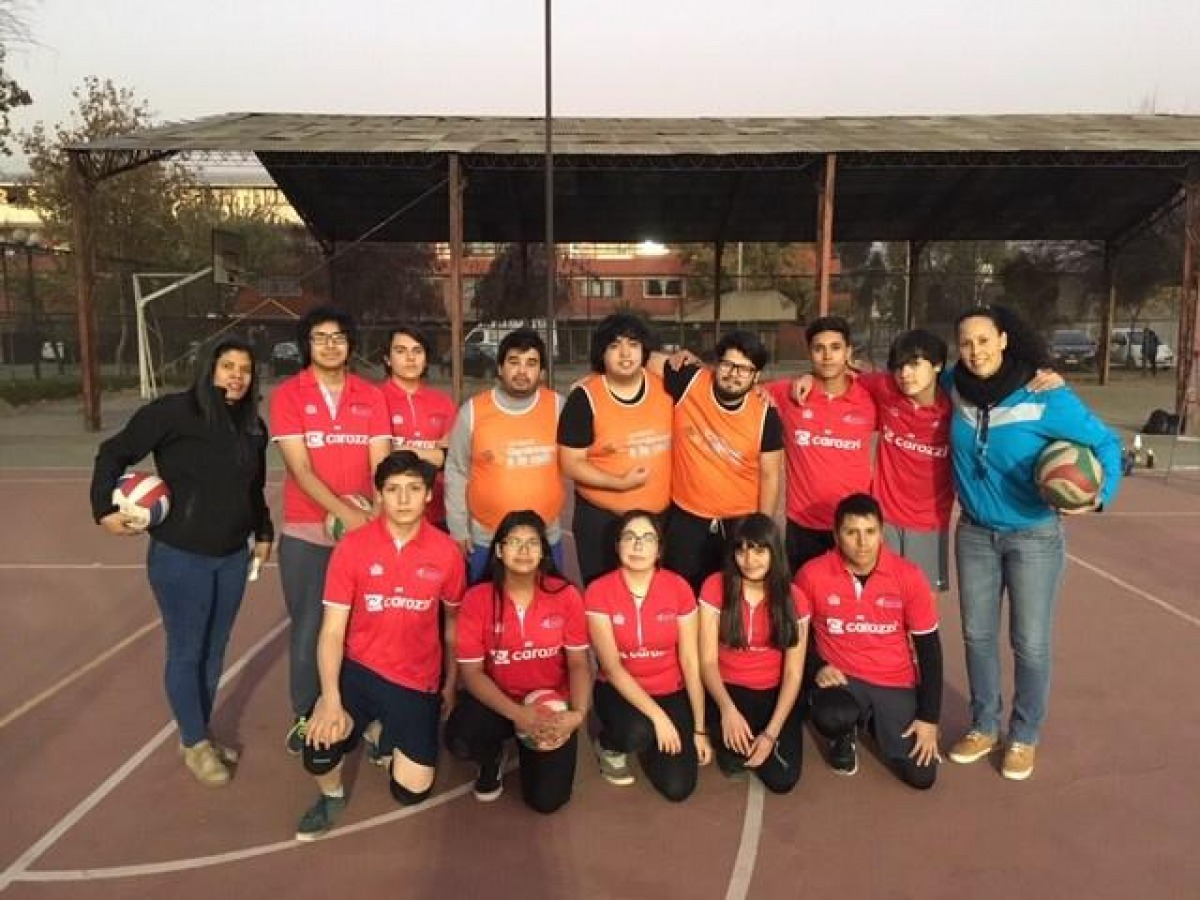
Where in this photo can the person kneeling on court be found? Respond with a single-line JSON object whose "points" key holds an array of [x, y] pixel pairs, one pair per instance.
{"points": [[867, 603], [753, 636], [380, 654], [649, 697], [523, 660]]}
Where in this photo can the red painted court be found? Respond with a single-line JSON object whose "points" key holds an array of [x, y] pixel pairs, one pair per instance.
{"points": [[96, 803]]}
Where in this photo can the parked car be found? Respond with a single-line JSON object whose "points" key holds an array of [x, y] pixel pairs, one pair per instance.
{"points": [[479, 360], [1125, 349], [1071, 349], [285, 359]]}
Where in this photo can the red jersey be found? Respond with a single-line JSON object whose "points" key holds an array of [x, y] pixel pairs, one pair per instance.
{"points": [[647, 635], [337, 440], [420, 421], [863, 630], [394, 594], [758, 665], [913, 479], [827, 443], [522, 652]]}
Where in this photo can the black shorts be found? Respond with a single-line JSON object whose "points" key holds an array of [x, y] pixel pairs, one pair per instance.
{"points": [[409, 718]]}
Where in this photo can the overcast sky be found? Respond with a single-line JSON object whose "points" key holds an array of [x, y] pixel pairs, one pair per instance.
{"points": [[614, 57]]}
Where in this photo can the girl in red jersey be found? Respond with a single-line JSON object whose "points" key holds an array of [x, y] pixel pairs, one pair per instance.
{"points": [[520, 631], [649, 699], [752, 646]]}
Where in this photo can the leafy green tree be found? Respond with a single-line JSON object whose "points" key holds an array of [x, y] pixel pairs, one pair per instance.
{"points": [[514, 286]]}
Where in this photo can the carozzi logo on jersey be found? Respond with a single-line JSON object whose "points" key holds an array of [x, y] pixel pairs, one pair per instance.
{"points": [[315, 440], [380, 602], [644, 653], [805, 438], [840, 626], [914, 446], [502, 656]]}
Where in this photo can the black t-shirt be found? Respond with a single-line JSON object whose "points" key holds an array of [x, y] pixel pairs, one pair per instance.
{"points": [[676, 382]]}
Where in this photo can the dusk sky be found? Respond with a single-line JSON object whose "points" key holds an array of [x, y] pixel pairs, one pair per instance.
{"points": [[618, 58]]}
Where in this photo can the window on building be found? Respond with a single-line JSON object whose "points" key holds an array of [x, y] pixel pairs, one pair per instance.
{"points": [[606, 288], [663, 287]]}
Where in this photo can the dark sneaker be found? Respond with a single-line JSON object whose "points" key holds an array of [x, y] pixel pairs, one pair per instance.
{"points": [[294, 743], [614, 767], [319, 818], [489, 785], [731, 766], [843, 755]]}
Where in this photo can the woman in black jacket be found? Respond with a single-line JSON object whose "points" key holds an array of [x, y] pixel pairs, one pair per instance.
{"points": [[209, 446]]}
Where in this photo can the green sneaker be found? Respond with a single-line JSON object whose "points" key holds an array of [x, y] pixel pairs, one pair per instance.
{"points": [[319, 818], [294, 743]]}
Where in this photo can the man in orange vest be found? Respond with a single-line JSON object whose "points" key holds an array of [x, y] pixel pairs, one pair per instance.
{"points": [[502, 453], [726, 454], [614, 441]]}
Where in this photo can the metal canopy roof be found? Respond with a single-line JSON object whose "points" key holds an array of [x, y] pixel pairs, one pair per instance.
{"points": [[1087, 177]]}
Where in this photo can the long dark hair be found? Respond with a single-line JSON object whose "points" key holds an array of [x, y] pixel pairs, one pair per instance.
{"points": [[242, 415], [547, 578], [1025, 346], [757, 530]]}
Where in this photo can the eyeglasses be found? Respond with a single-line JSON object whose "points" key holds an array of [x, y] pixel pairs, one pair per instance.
{"points": [[630, 539], [732, 368], [329, 338], [516, 545]]}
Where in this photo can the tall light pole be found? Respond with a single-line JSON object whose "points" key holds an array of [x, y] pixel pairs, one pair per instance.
{"points": [[551, 257]]}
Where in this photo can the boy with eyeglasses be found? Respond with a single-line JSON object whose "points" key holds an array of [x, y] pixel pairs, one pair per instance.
{"points": [[332, 430], [726, 454]]}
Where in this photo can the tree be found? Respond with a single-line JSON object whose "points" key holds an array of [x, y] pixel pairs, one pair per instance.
{"points": [[386, 282], [134, 219], [12, 95], [783, 267], [514, 286]]}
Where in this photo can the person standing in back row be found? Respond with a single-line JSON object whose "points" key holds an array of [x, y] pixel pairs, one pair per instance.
{"points": [[421, 416], [502, 453], [726, 455], [1150, 344], [332, 430]]}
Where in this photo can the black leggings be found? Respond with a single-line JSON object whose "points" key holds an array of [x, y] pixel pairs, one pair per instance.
{"points": [[837, 711], [595, 531], [803, 544], [624, 729], [694, 547], [781, 772], [475, 732]]}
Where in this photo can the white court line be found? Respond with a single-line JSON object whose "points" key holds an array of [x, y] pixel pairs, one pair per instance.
{"points": [[1145, 595], [18, 870], [77, 674], [200, 862], [747, 855], [91, 567], [1150, 515]]}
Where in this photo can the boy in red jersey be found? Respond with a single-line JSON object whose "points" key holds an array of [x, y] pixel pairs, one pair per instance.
{"points": [[421, 417], [867, 605], [380, 652], [331, 429]]}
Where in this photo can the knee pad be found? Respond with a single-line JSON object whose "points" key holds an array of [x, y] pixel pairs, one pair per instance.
{"points": [[405, 797], [834, 711], [322, 762]]}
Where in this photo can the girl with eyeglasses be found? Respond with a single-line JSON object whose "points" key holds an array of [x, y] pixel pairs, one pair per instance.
{"points": [[649, 696], [521, 630], [752, 657]]}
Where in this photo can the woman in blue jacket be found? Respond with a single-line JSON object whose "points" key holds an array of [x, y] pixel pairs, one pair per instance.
{"points": [[1008, 537]]}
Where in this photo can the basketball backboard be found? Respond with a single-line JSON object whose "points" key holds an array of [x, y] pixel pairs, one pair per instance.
{"points": [[229, 258]]}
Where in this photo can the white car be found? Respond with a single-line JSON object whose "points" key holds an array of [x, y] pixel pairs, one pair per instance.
{"points": [[1125, 349]]}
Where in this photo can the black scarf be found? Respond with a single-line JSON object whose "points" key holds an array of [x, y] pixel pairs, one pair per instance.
{"points": [[987, 392]]}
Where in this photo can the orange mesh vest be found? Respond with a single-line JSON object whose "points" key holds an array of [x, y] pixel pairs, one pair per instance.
{"points": [[514, 460], [628, 435], [715, 452]]}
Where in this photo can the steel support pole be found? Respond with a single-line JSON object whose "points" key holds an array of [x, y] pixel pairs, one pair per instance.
{"points": [[551, 255], [81, 188], [1188, 369], [1110, 311], [455, 189], [825, 203], [718, 252]]}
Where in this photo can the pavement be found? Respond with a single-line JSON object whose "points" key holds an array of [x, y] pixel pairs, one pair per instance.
{"points": [[50, 434]]}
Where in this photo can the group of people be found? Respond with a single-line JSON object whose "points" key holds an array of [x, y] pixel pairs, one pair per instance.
{"points": [[699, 628]]}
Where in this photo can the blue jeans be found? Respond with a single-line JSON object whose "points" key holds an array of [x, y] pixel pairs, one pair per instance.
{"points": [[199, 597], [1029, 565], [480, 557]]}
